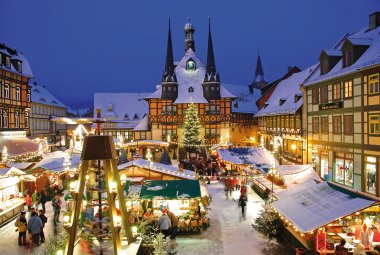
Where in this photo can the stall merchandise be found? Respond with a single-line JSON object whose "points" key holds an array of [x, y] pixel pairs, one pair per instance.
{"points": [[182, 197]]}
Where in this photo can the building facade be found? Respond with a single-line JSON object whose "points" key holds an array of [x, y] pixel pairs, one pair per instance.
{"points": [[280, 120], [44, 107], [190, 81], [343, 109]]}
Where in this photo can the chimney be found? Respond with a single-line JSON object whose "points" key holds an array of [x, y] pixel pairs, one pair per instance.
{"points": [[374, 20]]}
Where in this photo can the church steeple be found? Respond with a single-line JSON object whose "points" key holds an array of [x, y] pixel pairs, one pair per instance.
{"points": [[169, 74], [259, 80], [211, 82], [169, 83], [211, 73], [189, 37]]}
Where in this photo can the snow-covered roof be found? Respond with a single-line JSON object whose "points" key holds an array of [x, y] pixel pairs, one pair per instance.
{"points": [[157, 167], [143, 124], [246, 156], [25, 66], [54, 162], [311, 205], [287, 90], [336, 53], [126, 109], [22, 165], [190, 78], [17, 146], [245, 101], [370, 57], [296, 174], [41, 95]]}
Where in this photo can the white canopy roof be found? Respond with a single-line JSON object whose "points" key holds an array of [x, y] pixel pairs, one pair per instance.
{"points": [[296, 174], [54, 161], [246, 156], [310, 205]]}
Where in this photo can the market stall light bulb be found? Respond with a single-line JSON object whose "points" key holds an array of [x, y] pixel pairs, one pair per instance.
{"points": [[59, 252], [87, 177], [129, 203], [134, 230], [73, 185], [113, 186], [66, 219], [118, 220], [123, 177]]}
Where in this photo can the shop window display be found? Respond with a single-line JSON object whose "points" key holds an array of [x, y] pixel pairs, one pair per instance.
{"points": [[370, 168], [344, 169]]}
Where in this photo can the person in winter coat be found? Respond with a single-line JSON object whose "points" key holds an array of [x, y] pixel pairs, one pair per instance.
{"points": [[340, 249], [43, 199], [21, 225], [359, 250], [164, 223], [36, 199], [34, 228], [56, 203], [28, 201], [242, 204], [44, 221], [174, 223]]}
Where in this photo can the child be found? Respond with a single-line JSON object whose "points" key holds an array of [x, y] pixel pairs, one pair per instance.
{"points": [[21, 225]]}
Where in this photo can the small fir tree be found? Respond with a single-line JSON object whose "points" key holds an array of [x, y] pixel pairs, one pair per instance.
{"points": [[268, 223], [192, 130], [165, 159]]}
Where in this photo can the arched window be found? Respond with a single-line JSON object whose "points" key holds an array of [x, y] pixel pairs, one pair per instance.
{"points": [[190, 65], [27, 119], [18, 94], [6, 91], [191, 89], [5, 119], [17, 120]]}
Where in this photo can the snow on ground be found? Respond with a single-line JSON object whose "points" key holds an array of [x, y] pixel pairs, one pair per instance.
{"points": [[229, 233]]}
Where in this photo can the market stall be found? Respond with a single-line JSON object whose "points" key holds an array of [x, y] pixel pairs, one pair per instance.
{"points": [[11, 197], [331, 213], [182, 197]]}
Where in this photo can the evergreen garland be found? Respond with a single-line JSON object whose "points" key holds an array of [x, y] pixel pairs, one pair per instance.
{"points": [[192, 130]]}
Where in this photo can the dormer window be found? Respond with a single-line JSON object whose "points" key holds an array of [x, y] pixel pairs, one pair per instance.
{"points": [[126, 117], [136, 117], [297, 98], [1, 59], [347, 58], [282, 101], [7, 62], [266, 105], [190, 65], [191, 89], [19, 67]]}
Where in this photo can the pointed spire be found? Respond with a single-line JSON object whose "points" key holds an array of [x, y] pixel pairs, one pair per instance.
{"points": [[169, 74], [211, 73], [259, 80], [259, 68]]}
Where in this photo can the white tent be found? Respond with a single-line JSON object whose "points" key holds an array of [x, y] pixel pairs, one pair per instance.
{"points": [[310, 205], [297, 174]]}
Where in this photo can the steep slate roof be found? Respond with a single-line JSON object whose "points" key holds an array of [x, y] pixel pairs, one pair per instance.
{"points": [[42, 96], [245, 102], [25, 66], [370, 57], [286, 90], [128, 109]]}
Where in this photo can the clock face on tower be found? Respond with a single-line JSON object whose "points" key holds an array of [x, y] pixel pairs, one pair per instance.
{"points": [[190, 65]]}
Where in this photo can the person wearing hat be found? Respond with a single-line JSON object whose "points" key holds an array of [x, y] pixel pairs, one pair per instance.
{"points": [[164, 223], [21, 225]]}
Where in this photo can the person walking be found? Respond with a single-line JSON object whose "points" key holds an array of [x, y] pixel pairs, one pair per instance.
{"points": [[209, 172], [21, 225], [43, 199], [56, 203], [164, 223], [34, 228], [242, 204], [28, 201], [174, 223], [35, 200], [44, 221]]}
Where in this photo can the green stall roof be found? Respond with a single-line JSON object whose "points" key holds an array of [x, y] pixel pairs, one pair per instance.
{"points": [[172, 189]]}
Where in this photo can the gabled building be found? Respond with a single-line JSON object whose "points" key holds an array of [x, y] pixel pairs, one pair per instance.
{"points": [[259, 81], [190, 81], [342, 100], [280, 120], [44, 107]]}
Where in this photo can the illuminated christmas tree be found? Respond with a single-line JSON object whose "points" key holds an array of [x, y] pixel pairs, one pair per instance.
{"points": [[192, 130]]}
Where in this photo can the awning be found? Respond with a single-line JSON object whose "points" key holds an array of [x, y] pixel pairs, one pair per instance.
{"points": [[297, 174], [53, 162], [18, 146], [311, 205], [174, 189], [147, 143], [246, 156]]}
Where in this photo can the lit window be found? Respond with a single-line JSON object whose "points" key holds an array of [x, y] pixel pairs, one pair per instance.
{"points": [[190, 65], [6, 91], [371, 171], [17, 120], [347, 89], [18, 94], [373, 84], [374, 123], [336, 92]]}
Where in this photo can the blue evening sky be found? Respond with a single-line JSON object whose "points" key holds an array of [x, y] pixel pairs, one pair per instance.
{"points": [[79, 47]]}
